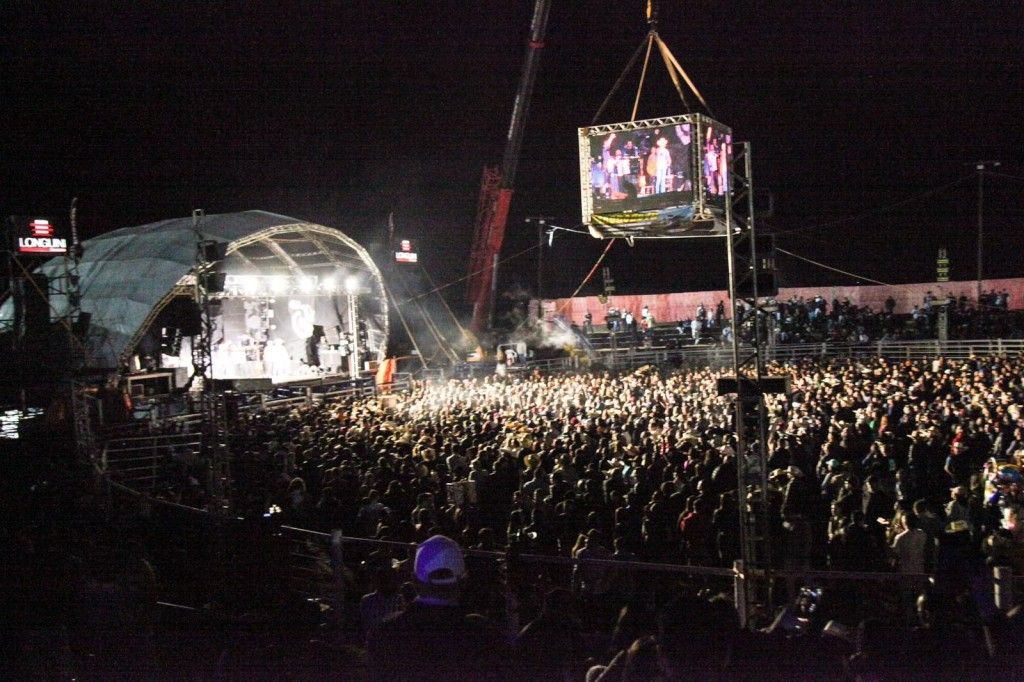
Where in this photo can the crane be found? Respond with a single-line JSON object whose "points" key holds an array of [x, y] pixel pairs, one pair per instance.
{"points": [[497, 185]]}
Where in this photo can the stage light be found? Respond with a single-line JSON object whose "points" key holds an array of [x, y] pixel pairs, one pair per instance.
{"points": [[279, 285], [249, 285], [307, 284], [328, 284], [351, 284]]}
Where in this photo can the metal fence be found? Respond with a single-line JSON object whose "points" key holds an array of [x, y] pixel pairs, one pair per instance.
{"points": [[322, 566], [139, 462], [720, 356], [296, 397]]}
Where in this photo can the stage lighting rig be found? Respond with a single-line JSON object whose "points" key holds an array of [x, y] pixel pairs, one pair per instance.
{"points": [[278, 284]]}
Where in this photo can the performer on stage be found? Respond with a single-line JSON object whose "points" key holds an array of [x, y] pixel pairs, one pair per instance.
{"points": [[662, 165]]}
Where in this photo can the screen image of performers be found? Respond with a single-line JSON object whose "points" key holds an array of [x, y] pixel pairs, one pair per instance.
{"points": [[641, 169], [661, 160], [717, 150]]}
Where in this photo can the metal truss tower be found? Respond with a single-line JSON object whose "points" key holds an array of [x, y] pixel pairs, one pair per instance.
{"points": [[749, 339], [212, 402], [76, 325]]}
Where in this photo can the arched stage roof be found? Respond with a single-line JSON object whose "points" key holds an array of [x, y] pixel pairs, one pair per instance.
{"points": [[129, 275]]}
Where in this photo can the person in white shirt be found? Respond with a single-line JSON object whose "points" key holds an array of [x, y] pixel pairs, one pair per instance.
{"points": [[909, 551]]}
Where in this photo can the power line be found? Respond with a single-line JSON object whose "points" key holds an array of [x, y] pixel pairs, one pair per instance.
{"points": [[463, 279], [829, 267], [878, 210]]}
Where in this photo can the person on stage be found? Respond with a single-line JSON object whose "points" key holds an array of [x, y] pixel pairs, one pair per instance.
{"points": [[662, 165]]}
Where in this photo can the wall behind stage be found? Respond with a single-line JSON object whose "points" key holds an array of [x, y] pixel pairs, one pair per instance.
{"points": [[682, 306]]}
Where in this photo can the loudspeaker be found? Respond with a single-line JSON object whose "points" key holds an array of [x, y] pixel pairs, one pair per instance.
{"points": [[214, 282], [214, 251], [767, 280]]}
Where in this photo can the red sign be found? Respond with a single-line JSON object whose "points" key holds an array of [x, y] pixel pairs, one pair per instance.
{"points": [[36, 235], [406, 253]]}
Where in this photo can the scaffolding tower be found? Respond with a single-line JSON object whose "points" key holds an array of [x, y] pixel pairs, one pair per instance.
{"points": [[750, 279], [76, 325], [213, 403]]}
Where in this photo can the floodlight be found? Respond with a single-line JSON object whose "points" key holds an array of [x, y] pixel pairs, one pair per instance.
{"points": [[328, 284], [249, 285], [351, 284], [279, 285], [307, 284]]}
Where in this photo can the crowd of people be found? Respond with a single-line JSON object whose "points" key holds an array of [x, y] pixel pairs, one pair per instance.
{"points": [[874, 465], [909, 467], [817, 320]]}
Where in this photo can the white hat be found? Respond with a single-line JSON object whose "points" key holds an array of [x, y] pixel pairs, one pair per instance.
{"points": [[439, 561]]}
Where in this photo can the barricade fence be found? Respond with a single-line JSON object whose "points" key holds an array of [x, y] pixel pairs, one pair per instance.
{"points": [[721, 355], [323, 566], [209, 552], [142, 461], [307, 397]]}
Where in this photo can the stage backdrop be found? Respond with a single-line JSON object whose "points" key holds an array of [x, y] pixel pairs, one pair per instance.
{"points": [[682, 306]]}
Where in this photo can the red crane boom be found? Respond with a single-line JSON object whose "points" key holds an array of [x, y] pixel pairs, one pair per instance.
{"points": [[497, 185]]}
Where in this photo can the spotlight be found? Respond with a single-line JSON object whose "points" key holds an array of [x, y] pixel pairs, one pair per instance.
{"points": [[351, 284], [328, 284], [249, 285], [279, 285], [307, 284]]}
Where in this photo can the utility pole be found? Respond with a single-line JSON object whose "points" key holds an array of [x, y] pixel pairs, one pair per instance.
{"points": [[981, 166]]}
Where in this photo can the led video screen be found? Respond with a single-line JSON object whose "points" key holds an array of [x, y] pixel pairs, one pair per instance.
{"points": [[641, 169], [658, 178], [716, 158]]}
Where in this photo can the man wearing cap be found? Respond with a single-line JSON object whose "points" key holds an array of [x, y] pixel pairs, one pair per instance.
{"points": [[434, 638], [958, 509]]}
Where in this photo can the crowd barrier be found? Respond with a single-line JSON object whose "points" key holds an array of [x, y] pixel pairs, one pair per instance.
{"points": [[138, 461], [319, 562], [721, 356]]}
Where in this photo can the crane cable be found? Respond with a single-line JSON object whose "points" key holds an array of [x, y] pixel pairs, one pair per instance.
{"points": [[597, 264], [829, 267]]}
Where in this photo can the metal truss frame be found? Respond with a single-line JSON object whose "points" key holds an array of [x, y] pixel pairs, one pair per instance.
{"points": [[749, 341]]}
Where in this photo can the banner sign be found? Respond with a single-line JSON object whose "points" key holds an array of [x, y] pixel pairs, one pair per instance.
{"points": [[37, 236]]}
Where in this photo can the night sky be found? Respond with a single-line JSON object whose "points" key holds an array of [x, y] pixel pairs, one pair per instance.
{"points": [[342, 112]]}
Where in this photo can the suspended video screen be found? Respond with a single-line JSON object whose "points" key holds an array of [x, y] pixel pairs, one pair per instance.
{"points": [[641, 169], [716, 158], [661, 177]]}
